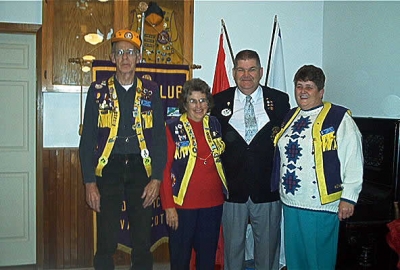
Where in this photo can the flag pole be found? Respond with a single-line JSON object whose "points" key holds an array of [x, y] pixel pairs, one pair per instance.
{"points": [[270, 49], [227, 40]]}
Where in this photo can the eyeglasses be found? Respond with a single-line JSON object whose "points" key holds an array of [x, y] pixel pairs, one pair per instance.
{"points": [[128, 52], [251, 70], [201, 101]]}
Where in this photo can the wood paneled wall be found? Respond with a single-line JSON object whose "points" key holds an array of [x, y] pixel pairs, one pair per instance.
{"points": [[68, 221]]}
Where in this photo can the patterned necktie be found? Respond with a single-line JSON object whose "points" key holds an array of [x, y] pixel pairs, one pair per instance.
{"points": [[250, 122]]}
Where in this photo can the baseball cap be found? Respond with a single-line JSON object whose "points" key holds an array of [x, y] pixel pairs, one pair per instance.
{"points": [[127, 35]]}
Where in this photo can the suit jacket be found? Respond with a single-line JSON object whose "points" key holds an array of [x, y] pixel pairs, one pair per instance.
{"points": [[248, 167]]}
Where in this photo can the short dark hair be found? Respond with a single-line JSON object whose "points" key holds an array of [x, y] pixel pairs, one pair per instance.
{"points": [[198, 85], [245, 55], [310, 73]]}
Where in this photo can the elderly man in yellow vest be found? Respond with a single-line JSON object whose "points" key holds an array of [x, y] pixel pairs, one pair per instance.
{"points": [[123, 153]]}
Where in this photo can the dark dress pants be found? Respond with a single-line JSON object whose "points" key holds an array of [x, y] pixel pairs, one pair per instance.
{"points": [[123, 177], [198, 229]]}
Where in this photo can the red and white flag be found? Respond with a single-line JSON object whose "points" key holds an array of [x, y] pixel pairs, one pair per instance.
{"points": [[223, 70]]}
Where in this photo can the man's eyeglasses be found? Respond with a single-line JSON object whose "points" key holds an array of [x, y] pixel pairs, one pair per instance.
{"points": [[128, 52], [199, 101]]}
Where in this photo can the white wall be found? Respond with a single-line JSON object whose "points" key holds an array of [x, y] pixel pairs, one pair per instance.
{"points": [[249, 25], [61, 118], [361, 57], [21, 11]]}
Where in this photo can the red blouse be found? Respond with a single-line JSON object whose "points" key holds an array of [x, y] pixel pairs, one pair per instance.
{"points": [[205, 185]]}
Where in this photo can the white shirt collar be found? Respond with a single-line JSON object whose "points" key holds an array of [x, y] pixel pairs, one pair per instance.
{"points": [[255, 96]]}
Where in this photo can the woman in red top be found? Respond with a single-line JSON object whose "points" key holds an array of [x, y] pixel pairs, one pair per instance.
{"points": [[192, 192]]}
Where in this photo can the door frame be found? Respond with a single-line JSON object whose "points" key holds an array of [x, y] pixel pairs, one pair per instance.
{"points": [[20, 28]]}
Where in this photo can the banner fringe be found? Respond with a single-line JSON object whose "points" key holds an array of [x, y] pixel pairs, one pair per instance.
{"points": [[128, 250], [160, 241]]}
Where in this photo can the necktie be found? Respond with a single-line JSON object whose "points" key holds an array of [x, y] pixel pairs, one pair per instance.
{"points": [[250, 122]]}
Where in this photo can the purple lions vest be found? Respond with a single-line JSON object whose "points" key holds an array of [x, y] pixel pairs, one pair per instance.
{"points": [[109, 114]]}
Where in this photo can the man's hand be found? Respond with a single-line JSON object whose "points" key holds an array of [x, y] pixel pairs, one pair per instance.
{"points": [[93, 196], [172, 218], [151, 192], [346, 210]]}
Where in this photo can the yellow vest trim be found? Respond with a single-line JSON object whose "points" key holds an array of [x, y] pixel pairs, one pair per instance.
{"points": [[321, 144], [279, 134], [103, 159], [217, 147], [191, 160], [139, 128]]}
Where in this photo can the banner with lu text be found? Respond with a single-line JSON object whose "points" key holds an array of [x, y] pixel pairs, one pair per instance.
{"points": [[170, 79]]}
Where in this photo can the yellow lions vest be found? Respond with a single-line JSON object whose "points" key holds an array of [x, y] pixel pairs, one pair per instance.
{"points": [[161, 43]]}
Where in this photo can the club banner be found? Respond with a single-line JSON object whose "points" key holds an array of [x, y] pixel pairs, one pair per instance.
{"points": [[170, 79]]}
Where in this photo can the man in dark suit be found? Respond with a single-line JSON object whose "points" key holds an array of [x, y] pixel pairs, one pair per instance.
{"points": [[250, 115]]}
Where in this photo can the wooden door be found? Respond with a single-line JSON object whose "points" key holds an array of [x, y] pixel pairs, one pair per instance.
{"points": [[18, 149]]}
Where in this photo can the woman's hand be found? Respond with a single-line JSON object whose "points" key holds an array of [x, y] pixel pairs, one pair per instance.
{"points": [[172, 218], [346, 210]]}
